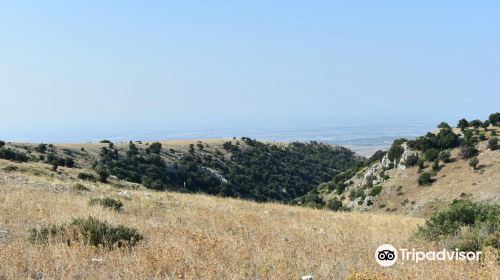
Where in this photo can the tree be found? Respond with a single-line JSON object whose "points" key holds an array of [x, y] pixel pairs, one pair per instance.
{"points": [[155, 148], [446, 139], [444, 156], [103, 175], [435, 165], [463, 124], [468, 151], [476, 123], [494, 119], [493, 143], [486, 124], [444, 125], [2, 143], [473, 162], [431, 154], [42, 148], [425, 179]]}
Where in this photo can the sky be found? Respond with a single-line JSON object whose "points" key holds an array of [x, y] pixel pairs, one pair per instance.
{"points": [[70, 70]]}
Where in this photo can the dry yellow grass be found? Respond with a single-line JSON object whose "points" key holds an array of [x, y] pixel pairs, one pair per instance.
{"points": [[455, 180], [203, 237]]}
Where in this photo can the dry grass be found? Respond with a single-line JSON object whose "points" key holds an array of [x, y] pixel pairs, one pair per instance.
{"points": [[202, 237], [455, 180]]}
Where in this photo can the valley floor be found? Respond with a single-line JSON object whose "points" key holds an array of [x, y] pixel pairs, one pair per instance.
{"points": [[201, 237]]}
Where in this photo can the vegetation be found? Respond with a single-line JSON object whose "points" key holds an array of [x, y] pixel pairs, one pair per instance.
{"points": [[255, 170], [425, 179], [463, 124], [411, 160], [10, 154], [107, 202], [494, 119], [396, 151], [465, 225], [86, 177], [473, 162], [444, 156], [493, 143], [2, 143], [90, 231]]}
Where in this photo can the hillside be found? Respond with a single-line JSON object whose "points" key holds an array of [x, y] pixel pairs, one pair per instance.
{"points": [[242, 168], [189, 236], [389, 181]]}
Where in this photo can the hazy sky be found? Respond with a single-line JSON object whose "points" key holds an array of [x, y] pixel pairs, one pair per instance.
{"points": [[127, 65]]}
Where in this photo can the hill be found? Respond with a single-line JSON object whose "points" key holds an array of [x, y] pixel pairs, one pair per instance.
{"points": [[193, 236], [392, 181], [242, 168]]}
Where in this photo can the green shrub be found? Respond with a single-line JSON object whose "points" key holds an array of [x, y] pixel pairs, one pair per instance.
{"points": [[473, 162], [431, 154], [396, 151], [467, 224], [334, 205], [41, 148], [411, 160], [80, 187], [425, 179], [444, 156], [463, 124], [493, 143], [375, 190], [10, 154], [90, 231], [2, 143], [444, 125], [86, 177], [493, 133], [10, 168], [107, 202], [468, 151], [436, 166]]}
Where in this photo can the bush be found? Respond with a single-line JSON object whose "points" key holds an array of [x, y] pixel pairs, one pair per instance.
{"points": [[10, 154], [80, 187], [431, 154], [41, 148], [107, 202], [90, 231], [476, 123], [444, 156], [425, 179], [494, 119], [87, 177], [10, 168], [493, 143], [463, 124], [334, 205], [435, 165], [376, 190], [473, 162], [468, 151], [105, 141], [2, 143], [154, 148], [395, 152], [444, 125], [462, 222], [411, 160], [493, 133]]}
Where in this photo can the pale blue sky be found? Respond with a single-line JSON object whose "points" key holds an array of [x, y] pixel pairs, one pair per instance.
{"points": [[102, 67]]}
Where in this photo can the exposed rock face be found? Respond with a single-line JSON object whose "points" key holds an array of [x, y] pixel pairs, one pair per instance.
{"points": [[371, 176]]}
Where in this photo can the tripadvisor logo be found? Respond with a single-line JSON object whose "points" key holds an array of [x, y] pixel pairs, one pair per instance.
{"points": [[386, 255]]}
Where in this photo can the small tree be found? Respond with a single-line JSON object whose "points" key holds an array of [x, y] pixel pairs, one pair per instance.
{"points": [[494, 119], [444, 125], [473, 162], [155, 148], [493, 143], [463, 124], [435, 165], [468, 151], [2, 143], [444, 156], [431, 154], [476, 123], [42, 148], [425, 179], [103, 175]]}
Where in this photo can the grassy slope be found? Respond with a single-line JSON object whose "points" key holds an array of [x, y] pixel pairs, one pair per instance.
{"points": [[200, 237], [454, 181]]}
